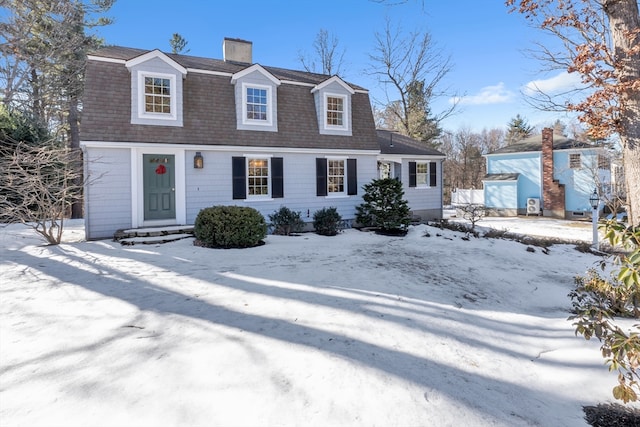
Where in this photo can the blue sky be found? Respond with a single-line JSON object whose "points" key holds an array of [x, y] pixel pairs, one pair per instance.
{"points": [[487, 44]]}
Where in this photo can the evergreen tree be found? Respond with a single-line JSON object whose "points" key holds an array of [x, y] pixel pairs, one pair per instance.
{"points": [[518, 129], [178, 44], [384, 206]]}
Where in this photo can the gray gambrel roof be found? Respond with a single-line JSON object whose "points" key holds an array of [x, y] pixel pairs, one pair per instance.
{"points": [[534, 143], [107, 106], [218, 65], [394, 143]]}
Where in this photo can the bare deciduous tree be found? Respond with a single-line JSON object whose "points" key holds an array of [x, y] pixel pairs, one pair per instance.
{"points": [[329, 57], [411, 70], [38, 185]]}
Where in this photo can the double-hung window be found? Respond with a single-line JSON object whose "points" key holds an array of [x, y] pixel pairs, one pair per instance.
{"points": [[258, 177], [335, 111], [422, 174], [335, 176], [256, 105]]}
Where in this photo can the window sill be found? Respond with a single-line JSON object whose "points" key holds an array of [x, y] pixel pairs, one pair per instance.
{"points": [[258, 199], [337, 196]]}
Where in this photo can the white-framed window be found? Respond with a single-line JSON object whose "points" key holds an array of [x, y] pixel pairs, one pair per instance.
{"points": [[335, 111], [336, 176], [384, 170], [422, 174], [256, 104], [258, 179], [157, 97], [575, 161]]}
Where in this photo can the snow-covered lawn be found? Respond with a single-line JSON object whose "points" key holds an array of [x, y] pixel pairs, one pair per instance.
{"points": [[353, 330]]}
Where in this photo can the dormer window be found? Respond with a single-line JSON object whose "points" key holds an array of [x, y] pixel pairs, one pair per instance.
{"points": [[157, 95], [256, 104], [335, 110], [333, 99], [256, 96], [156, 89]]}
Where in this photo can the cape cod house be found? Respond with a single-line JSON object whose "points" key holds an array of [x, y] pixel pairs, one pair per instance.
{"points": [[167, 135], [545, 174]]}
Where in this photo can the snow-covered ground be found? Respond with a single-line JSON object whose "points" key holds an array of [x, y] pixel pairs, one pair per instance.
{"points": [[353, 330]]}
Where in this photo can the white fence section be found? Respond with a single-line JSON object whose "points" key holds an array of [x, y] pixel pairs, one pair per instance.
{"points": [[467, 197]]}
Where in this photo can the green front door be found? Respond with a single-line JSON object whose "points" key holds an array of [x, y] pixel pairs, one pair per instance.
{"points": [[159, 186]]}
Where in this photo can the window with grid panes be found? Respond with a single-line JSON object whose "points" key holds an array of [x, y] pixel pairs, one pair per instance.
{"points": [[157, 95], [258, 177], [335, 111], [335, 176], [256, 104]]}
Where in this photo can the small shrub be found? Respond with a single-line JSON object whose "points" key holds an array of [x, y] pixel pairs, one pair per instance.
{"points": [[473, 213], [285, 221], [326, 221], [229, 227]]}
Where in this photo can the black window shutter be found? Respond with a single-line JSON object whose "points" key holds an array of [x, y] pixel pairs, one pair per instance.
{"points": [[321, 176], [412, 174], [239, 172], [432, 174], [277, 178], [352, 177]]}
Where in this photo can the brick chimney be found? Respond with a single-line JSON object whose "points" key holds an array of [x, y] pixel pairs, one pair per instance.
{"points": [[237, 50], [552, 191]]}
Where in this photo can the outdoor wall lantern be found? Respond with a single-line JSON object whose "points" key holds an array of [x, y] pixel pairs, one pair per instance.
{"points": [[198, 161], [594, 200]]}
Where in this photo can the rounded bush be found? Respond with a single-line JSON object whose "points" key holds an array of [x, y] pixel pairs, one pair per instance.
{"points": [[326, 221], [229, 227], [285, 221]]}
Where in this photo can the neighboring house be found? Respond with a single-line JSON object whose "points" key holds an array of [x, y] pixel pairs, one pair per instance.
{"points": [[545, 174], [166, 135]]}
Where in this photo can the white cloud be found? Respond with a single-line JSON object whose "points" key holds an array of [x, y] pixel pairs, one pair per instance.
{"points": [[557, 84], [497, 94]]}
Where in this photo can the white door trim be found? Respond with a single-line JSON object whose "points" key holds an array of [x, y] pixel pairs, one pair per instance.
{"points": [[137, 186]]}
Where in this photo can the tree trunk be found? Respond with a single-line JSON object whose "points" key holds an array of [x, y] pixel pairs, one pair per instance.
{"points": [[624, 20], [74, 144]]}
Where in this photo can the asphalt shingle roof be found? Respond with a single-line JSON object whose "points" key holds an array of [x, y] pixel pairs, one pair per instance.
{"points": [[219, 65], [534, 143], [394, 143]]}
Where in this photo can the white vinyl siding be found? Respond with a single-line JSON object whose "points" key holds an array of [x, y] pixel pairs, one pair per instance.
{"points": [[108, 199]]}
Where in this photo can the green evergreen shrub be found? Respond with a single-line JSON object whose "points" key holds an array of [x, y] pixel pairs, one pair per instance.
{"points": [[285, 221], [326, 221], [384, 207], [229, 227], [598, 302]]}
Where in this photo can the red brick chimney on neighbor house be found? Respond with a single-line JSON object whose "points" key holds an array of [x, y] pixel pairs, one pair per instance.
{"points": [[552, 190]]}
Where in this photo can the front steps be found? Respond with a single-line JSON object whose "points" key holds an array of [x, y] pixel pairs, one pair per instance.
{"points": [[153, 235]]}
